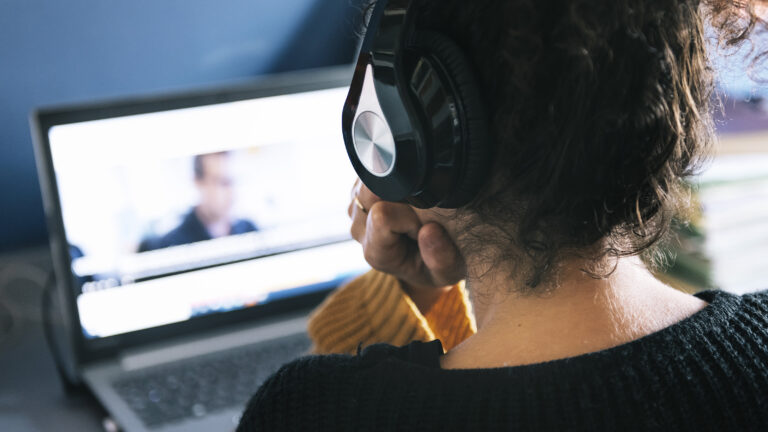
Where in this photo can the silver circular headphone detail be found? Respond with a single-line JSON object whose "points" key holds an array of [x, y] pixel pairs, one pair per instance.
{"points": [[374, 144]]}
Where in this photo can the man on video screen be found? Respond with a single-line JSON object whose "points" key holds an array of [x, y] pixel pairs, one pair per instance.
{"points": [[210, 218]]}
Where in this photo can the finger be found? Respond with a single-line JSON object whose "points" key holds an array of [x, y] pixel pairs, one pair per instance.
{"points": [[366, 197], [440, 255], [386, 243], [388, 221], [355, 188], [357, 229], [353, 193]]}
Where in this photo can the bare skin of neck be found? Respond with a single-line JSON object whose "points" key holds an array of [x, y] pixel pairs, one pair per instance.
{"points": [[579, 316]]}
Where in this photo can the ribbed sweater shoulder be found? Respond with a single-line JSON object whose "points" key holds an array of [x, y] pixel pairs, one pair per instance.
{"points": [[707, 373]]}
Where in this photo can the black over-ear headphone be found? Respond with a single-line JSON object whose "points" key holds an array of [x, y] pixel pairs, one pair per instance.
{"points": [[414, 125]]}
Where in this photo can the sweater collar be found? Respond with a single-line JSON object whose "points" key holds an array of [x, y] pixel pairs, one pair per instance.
{"points": [[715, 317]]}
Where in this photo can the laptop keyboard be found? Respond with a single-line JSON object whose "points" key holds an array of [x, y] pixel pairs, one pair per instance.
{"points": [[206, 384]]}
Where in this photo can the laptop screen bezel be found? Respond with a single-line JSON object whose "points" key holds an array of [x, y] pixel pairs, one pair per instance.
{"points": [[87, 350]]}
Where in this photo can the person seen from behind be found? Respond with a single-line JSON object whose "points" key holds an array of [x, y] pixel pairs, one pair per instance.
{"points": [[530, 308]]}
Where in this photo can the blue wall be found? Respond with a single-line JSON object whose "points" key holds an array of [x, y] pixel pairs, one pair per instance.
{"points": [[54, 51]]}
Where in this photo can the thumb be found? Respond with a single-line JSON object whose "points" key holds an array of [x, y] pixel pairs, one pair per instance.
{"points": [[440, 255]]}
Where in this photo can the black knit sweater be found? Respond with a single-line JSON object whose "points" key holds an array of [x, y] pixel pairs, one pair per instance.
{"points": [[706, 373]]}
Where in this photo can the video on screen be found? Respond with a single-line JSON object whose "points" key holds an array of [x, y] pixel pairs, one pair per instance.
{"points": [[140, 220], [166, 193], [210, 216]]}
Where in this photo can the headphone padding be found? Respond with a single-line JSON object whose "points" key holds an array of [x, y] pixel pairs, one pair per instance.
{"points": [[477, 148]]}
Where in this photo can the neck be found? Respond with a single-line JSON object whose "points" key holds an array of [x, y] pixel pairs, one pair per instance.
{"points": [[216, 226], [579, 315]]}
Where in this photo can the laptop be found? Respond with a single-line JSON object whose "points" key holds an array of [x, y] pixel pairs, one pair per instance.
{"points": [[191, 234]]}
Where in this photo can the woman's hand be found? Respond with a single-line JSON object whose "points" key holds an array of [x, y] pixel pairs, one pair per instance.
{"points": [[396, 241]]}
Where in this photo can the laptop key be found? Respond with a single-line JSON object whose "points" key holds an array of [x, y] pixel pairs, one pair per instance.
{"points": [[215, 382]]}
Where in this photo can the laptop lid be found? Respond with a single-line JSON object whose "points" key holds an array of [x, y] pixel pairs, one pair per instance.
{"points": [[176, 214]]}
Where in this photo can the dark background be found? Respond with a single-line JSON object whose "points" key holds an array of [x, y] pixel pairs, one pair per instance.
{"points": [[67, 51]]}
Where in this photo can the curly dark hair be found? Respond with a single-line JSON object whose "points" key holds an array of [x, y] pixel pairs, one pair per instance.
{"points": [[599, 108]]}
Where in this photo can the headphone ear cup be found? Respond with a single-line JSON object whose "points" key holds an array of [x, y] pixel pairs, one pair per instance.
{"points": [[476, 148]]}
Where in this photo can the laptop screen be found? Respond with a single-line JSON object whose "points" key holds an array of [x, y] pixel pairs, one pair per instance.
{"points": [[176, 214]]}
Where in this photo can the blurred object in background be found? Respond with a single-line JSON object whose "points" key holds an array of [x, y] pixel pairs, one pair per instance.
{"points": [[726, 244], [22, 279]]}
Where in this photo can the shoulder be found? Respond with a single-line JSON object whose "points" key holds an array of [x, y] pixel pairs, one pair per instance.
{"points": [[754, 312], [730, 313], [242, 226], [189, 230], [317, 385], [296, 393], [758, 299], [750, 307], [735, 327]]}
